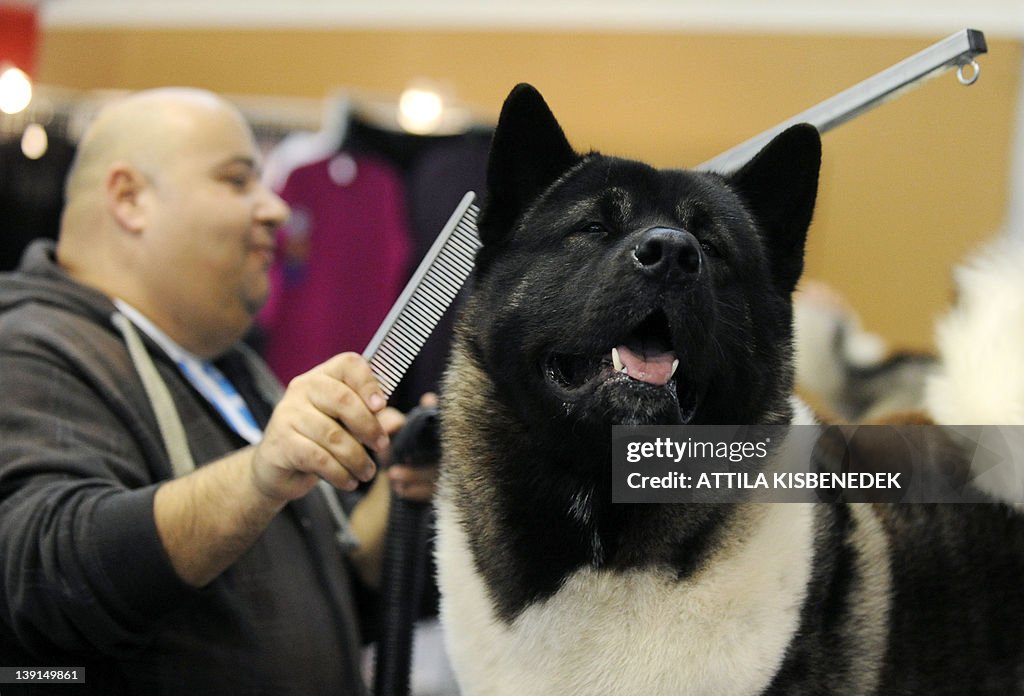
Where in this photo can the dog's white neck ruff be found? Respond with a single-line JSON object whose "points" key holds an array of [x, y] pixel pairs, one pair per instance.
{"points": [[723, 630]]}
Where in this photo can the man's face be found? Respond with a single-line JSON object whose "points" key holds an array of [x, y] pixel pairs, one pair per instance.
{"points": [[212, 228]]}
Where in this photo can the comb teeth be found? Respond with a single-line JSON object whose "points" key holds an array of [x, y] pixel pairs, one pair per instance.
{"points": [[426, 297]]}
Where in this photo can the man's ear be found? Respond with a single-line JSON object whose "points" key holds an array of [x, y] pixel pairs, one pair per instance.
{"points": [[125, 185]]}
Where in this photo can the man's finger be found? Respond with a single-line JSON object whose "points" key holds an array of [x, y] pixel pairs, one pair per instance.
{"points": [[353, 370], [326, 433], [413, 483], [391, 420], [338, 401]]}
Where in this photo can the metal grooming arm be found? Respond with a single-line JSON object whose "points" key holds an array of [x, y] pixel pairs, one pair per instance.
{"points": [[957, 51]]}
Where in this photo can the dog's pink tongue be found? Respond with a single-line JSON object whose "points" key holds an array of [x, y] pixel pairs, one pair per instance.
{"points": [[653, 368]]}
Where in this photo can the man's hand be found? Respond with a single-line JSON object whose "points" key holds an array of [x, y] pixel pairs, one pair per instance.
{"points": [[319, 429], [416, 452], [210, 517]]}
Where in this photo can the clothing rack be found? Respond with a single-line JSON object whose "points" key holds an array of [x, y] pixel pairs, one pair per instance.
{"points": [[956, 51], [67, 112]]}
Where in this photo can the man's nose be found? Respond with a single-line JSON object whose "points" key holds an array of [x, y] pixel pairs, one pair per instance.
{"points": [[271, 208]]}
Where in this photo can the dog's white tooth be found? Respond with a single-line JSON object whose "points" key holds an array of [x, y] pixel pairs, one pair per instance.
{"points": [[675, 366], [617, 361]]}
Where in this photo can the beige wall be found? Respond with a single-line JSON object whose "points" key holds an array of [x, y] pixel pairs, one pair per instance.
{"points": [[906, 189]]}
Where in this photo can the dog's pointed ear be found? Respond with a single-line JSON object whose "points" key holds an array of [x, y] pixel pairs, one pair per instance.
{"points": [[529, 152], [780, 184]]}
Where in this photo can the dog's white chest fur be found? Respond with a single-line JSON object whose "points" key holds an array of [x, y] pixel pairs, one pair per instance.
{"points": [[722, 631]]}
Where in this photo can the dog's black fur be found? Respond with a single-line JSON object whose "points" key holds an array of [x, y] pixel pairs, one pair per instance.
{"points": [[584, 253]]}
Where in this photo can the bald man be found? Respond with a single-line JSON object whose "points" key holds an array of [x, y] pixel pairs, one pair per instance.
{"points": [[163, 520]]}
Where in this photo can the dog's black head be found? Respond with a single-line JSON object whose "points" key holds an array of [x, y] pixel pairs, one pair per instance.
{"points": [[611, 292]]}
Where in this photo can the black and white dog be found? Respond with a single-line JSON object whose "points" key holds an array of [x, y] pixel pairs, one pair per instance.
{"points": [[609, 292]]}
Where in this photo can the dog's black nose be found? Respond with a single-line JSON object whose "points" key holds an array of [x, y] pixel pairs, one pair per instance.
{"points": [[664, 251]]}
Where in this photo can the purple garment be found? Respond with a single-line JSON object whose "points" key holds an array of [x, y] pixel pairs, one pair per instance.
{"points": [[342, 261]]}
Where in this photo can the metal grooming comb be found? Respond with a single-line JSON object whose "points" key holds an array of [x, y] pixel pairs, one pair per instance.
{"points": [[426, 297]]}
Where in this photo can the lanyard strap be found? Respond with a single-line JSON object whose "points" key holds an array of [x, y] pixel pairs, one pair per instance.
{"points": [[171, 430]]}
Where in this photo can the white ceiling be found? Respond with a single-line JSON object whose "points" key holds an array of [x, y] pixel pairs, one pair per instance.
{"points": [[929, 17]]}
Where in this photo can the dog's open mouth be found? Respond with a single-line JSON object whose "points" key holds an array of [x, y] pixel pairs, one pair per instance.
{"points": [[643, 358], [645, 364]]}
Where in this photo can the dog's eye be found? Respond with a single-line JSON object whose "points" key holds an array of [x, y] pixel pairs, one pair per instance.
{"points": [[710, 249], [596, 229]]}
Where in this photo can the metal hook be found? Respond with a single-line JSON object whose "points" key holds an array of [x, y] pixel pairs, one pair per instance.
{"points": [[968, 80]]}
